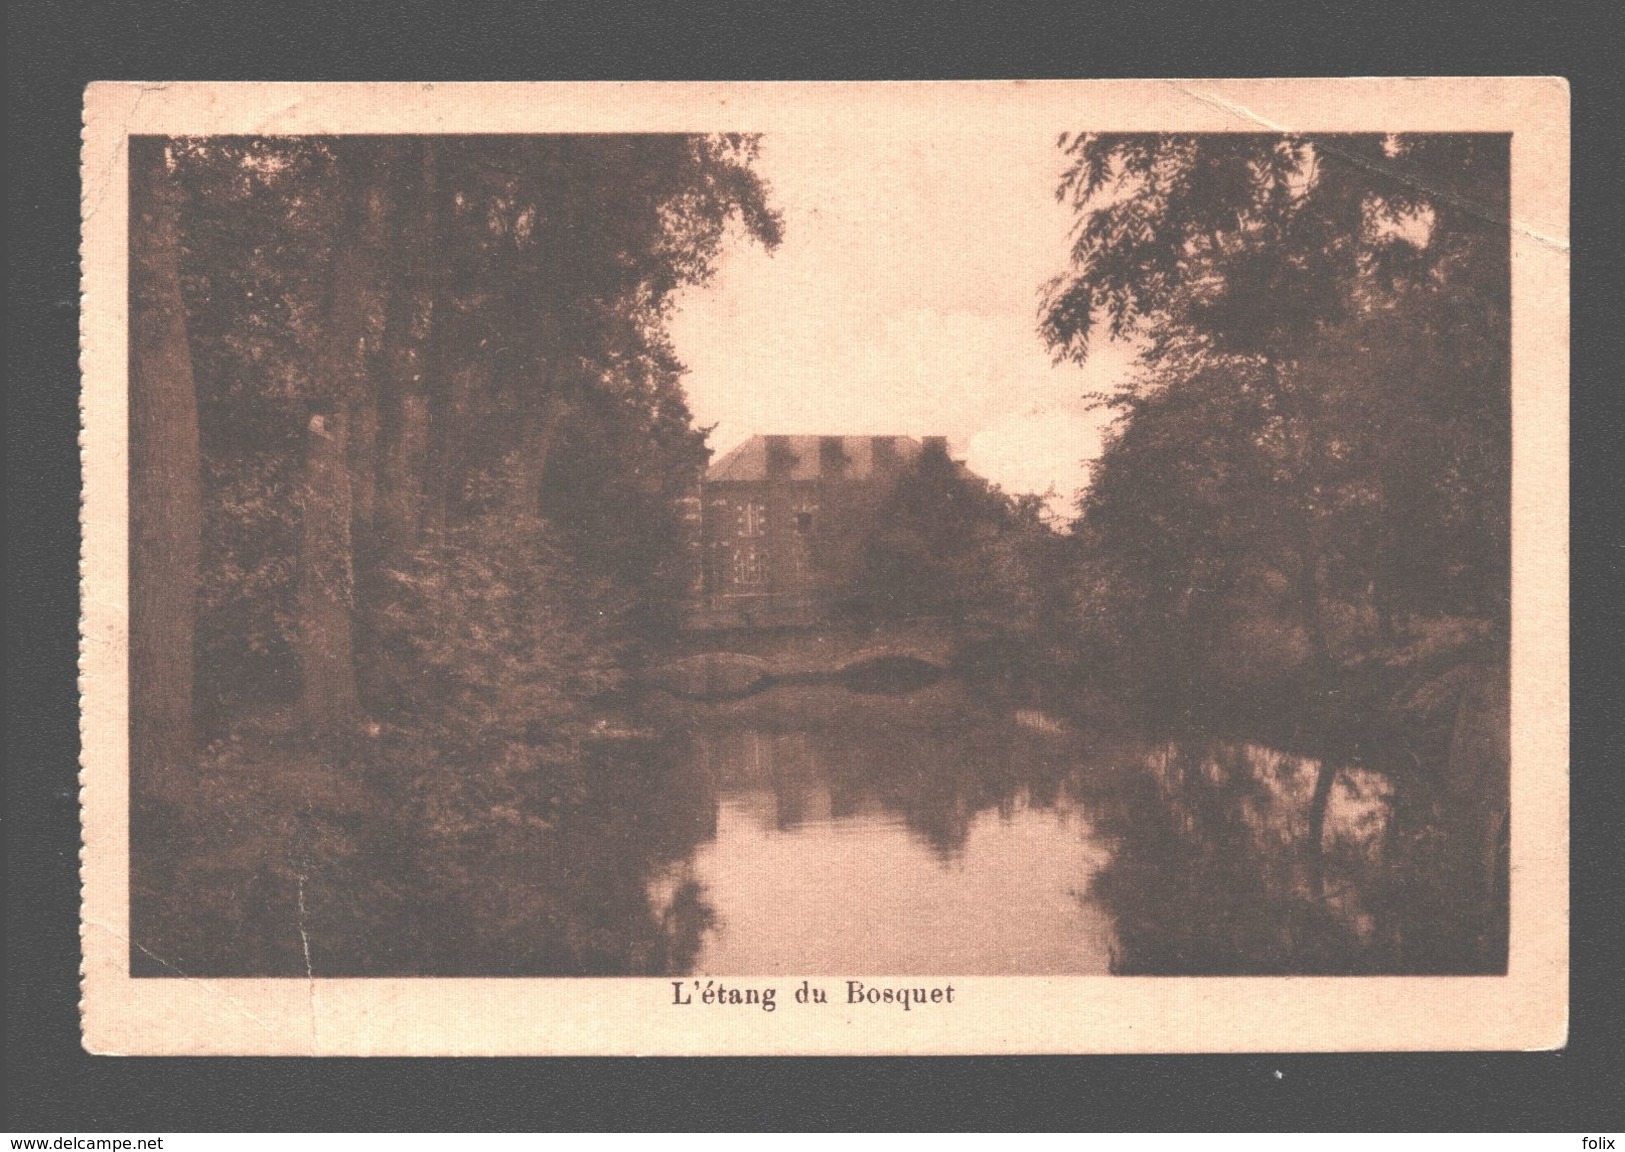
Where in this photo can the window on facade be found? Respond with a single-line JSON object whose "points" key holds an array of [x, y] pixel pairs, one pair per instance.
{"points": [[804, 522], [752, 519], [748, 567]]}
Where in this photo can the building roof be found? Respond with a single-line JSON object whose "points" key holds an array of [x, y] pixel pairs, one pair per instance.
{"points": [[749, 460]]}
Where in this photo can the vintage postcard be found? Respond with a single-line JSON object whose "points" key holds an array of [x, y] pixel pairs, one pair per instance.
{"points": [[825, 568]]}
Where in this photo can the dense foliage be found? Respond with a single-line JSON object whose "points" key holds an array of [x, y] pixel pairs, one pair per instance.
{"points": [[946, 544], [511, 297], [1299, 530], [441, 439], [1311, 472]]}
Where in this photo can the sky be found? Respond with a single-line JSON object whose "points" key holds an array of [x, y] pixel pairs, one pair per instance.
{"points": [[903, 300]]}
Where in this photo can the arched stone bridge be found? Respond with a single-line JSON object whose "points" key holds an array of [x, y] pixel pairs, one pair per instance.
{"points": [[726, 666]]}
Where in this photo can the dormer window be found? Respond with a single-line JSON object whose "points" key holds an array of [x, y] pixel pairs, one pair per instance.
{"points": [[832, 457]]}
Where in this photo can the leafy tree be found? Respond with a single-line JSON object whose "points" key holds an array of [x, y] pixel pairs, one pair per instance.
{"points": [[1310, 476], [383, 326], [1361, 283], [415, 501], [165, 479], [946, 544], [255, 229]]}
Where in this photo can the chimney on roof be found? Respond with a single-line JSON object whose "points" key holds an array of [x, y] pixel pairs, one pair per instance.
{"points": [[934, 446]]}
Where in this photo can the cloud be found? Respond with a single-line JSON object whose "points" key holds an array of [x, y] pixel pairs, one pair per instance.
{"points": [[904, 299], [1040, 451]]}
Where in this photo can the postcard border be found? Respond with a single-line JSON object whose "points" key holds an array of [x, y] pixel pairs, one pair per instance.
{"points": [[1527, 1009]]}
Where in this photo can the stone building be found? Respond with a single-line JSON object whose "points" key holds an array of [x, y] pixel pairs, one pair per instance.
{"points": [[779, 523]]}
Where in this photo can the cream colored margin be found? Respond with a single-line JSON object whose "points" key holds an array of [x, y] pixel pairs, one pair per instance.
{"points": [[1527, 1009]]}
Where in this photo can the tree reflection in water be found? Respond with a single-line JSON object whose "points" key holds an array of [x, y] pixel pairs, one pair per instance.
{"points": [[935, 781], [1198, 852], [642, 811], [1158, 859], [598, 890], [1212, 873], [887, 836]]}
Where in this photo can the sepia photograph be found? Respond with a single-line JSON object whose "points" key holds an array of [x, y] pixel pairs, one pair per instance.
{"points": [[822, 557]]}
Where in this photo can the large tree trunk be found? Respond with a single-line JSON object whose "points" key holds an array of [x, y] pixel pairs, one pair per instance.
{"points": [[404, 407], [445, 383], [328, 701], [449, 417], [402, 428], [165, 483], [540, 434], [548, 408], [364, 460], [326, 601]]}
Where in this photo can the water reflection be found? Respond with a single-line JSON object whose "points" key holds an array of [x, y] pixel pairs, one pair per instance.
{"points": [[1213, 873], [977, 841], [563, 895], [891, 849], [812, 830]]}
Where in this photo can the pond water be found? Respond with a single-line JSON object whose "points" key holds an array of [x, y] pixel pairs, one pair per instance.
{"points": [[832, 855], [924, 834], [928, 834], [815, 830]]}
